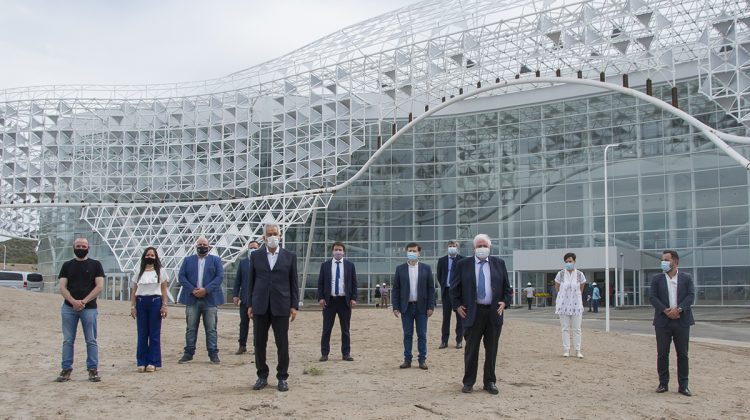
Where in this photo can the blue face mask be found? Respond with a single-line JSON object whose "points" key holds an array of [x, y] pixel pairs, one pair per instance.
{"points": [[570, 266], [452, 250], [411, 256], [666, 266]]}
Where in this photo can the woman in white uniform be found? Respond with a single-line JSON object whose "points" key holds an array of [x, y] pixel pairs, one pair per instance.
{"points": [[570, 284]]}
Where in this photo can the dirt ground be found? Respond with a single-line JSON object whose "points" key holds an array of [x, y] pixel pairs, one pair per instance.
{"points": [[616, 379]]}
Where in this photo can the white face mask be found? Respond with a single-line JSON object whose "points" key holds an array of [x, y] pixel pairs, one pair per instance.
{"points": [[482, 253], [272, 242]]}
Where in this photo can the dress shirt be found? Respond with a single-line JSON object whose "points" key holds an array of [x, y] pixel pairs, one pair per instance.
{"points": [[487, 283], [201, 268], [342, 292], [272, 257], [413, 281], [672, 287]]}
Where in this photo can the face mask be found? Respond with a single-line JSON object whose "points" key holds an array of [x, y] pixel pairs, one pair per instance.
{"points": [[272, 242], [149, 260], [482, 253], [338, 254], [452, 250], [203, 250], [411, 256], [570, 266], [250, 251], [81, 253], [666, 266]]}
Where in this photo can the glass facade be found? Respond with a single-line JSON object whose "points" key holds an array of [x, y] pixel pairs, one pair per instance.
{"points": [[531, 177]]}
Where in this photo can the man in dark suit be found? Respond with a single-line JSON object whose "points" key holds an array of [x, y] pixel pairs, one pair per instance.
{"points": [[671, 295], [273, 301], [201, 276], [239, 292], [480, 292], [445, 267], [337, 295], [413, 298]]}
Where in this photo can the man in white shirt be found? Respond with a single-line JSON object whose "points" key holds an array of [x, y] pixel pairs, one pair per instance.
{"points": [[337, 295], [529, 294]]}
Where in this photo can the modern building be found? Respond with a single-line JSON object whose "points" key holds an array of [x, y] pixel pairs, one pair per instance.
{"points": [[437, 121]]}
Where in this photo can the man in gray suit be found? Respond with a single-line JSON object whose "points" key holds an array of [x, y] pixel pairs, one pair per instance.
{"points": [[671, 295], [273, 301]]}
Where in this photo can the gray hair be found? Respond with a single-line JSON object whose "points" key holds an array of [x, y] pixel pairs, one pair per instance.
{"points": [[480, 237], [270, 225]]}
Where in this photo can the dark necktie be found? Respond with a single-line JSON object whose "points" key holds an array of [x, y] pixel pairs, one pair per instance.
{"points": [[481, 293], [338, 276]]}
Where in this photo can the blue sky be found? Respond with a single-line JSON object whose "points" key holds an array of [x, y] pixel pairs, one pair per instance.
{"points": [[45, 42]]}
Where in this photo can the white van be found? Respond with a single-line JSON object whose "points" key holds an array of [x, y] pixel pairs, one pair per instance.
{"points": [[22, 280]]}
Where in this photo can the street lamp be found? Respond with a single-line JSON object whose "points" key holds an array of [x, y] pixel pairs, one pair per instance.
{"points": [[606, 240]]}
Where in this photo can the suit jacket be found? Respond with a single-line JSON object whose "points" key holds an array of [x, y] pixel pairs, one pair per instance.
{"points": [[325, 279], [241, 280], [213, 276], [442, 268], [401, 288], [659, 296], [463, 289], [276, 290]]}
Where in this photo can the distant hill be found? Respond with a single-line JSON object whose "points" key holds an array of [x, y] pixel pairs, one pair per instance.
{"points": [[19, 252]]}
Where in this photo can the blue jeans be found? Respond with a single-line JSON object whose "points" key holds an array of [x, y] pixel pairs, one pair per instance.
{"points": [[193, 315], [70, 318], [148, 321], [595, 303], [408, 319]]}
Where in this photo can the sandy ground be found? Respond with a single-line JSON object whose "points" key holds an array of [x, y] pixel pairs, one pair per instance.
{"points": [[615, 380]]}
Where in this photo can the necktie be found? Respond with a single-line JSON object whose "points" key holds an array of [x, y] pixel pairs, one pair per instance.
{"points": [[481, 293], [338, 276], [450, 267]]}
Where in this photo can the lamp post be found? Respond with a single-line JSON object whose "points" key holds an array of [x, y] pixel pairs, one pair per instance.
{"points": [[606, 240]]}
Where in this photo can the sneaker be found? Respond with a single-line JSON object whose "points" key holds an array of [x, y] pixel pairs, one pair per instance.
{"points": [[141, 369], [94, 376], [150, 368], [185, 358], [215, 359], [566, 354], [579, 355], [64, 375]]}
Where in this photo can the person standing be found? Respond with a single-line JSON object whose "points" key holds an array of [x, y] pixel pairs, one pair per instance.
{"points": [[81, 281], [445, 267], [595, 297], [238, 292], [337, 295], [414, 301], [672, 294], [529, 294], [273, 301], [384, 294], [570, 284], [201, 276], [480, 292], [148, 291]]}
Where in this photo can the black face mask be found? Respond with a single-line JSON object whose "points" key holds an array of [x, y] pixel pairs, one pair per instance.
{"points": [[81, 253], [203, 250], [149, 260]]}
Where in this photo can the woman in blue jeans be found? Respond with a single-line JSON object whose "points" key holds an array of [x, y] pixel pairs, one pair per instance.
{"points": [[148, 307]]}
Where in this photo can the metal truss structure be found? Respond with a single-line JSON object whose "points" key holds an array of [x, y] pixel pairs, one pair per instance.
{"points": [[163, 164]]}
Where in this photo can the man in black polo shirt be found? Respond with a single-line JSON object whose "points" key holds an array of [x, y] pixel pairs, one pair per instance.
{"points": [[81, 281]]}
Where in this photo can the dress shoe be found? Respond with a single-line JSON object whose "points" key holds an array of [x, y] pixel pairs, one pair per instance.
{"points": [[405, 365], [323, 359], [491, 388], [466, 389], [241, 350], [685, 391], [423, 365], [459, 345], [185, 358], [443, 345], [348, 358], [662, 388], [214, 359], [282, 386], [260, 384]]}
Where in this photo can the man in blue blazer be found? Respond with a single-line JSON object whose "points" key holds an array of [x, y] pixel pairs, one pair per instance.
{"points": [[445, 267], [337, 295], [201, 276], [239, 291], [480, 292], [273, 301], [413, 298], [672, 294]]}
